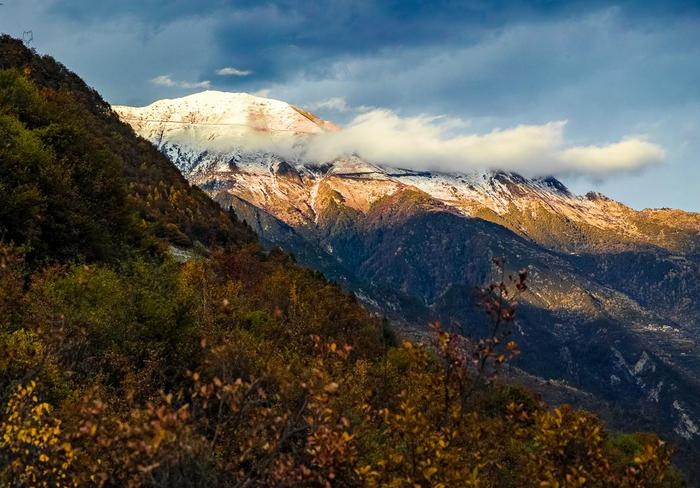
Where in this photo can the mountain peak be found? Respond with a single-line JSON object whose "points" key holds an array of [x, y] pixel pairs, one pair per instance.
{"points": [[219, 112], [216, 136], [218, 98]]}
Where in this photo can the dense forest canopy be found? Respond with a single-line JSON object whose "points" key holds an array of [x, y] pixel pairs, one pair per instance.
{"points": [[120, 365]]}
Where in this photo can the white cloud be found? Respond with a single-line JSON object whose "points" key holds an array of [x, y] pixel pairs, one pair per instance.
{"points": [[166, 80], [627, 155], [426, 142], [230, 71]]}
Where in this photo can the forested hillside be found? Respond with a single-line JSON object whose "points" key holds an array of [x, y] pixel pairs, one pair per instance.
{"points": [[231, 366]]}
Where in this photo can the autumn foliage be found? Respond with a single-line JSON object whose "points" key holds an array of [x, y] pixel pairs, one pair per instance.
{"points": [[205, 374], [120, 366]]}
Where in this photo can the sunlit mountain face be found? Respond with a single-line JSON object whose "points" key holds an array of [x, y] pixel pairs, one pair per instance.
{"points": [[611, 314]]}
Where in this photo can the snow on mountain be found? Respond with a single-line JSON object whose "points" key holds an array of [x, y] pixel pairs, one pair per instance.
{"points": [[217, 134], [222, 120], [237, 143]]}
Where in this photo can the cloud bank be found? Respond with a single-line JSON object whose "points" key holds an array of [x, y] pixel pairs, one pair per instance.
{"points": [[429, 143]]}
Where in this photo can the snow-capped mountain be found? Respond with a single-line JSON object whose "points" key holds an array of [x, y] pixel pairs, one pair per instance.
{"points": [[244, 145], [212, 115], [226, 123], [614, 306]]}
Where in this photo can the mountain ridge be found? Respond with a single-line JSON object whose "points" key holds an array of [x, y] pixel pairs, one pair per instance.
{"points": [[610, 285]]}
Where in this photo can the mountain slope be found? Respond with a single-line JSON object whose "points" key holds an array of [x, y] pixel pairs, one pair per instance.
{"points": [[228, 366], [81, 164], [614, 306]]}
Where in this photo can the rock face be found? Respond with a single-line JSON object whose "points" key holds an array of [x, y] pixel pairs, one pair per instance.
{"points": [[614, 303]]}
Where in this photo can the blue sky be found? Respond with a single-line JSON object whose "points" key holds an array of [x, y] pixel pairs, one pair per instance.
{"points": [[622, 71]]}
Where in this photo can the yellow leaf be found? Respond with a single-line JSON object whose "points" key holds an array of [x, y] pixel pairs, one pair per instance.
{"points": [[331, 387]]}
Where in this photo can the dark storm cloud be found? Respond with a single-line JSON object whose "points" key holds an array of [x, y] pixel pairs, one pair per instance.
{"points": [[154, 12], [279, 39]]}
